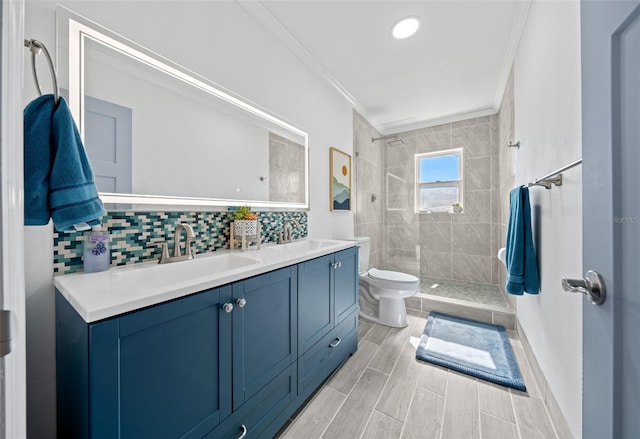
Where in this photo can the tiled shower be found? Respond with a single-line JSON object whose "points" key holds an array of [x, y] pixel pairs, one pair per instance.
{"points": [[444, 249]]}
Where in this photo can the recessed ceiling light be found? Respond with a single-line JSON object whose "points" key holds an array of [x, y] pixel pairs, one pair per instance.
{"points": [[405, 27]]}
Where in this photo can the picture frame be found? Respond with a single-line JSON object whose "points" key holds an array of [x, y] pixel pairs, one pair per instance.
{"points": [[340, 193]]}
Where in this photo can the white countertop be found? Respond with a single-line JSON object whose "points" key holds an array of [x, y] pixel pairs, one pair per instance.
{"points": [[97, 296]]}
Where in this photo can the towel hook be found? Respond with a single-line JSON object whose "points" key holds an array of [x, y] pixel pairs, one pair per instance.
{"points": [[36, 47]]}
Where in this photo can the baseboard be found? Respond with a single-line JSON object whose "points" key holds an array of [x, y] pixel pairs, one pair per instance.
{"points": [[555, 413]]}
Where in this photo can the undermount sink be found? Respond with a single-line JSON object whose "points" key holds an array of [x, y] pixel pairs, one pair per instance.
{"points": [[192, 269], [302, 246]]}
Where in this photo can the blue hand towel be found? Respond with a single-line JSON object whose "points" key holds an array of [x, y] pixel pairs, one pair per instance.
{"points": [[522, 265], [37, 160], [57, 157]]}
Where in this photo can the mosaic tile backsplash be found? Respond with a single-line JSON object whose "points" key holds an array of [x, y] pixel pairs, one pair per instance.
{"points": [[133, 235]]}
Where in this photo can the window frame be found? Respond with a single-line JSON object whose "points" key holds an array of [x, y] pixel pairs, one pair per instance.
{"points": [[459, 182]]}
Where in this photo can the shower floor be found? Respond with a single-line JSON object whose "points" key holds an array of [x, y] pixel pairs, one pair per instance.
{"points": [[482, 294]]}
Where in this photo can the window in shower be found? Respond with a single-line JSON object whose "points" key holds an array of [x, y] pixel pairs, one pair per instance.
{"points": [[439, 180]]}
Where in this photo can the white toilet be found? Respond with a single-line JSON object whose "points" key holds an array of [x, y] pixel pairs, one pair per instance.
{"points": [[382, 293]]}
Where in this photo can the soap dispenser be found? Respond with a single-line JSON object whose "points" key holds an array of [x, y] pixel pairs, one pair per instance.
{"points": [[96, 255]]}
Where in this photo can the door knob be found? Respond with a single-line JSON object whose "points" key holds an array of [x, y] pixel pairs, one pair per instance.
{"points": [[592, 286]]}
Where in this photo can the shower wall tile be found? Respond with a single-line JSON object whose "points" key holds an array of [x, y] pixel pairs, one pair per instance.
{"points": [[405, 260], [474, 139], [495, 134], [482, 120], [477, 172], [401, 236], [495, 172], [477, 208], [366, 210], [363, 132], [495, 206], [369, 176], [407, 217], [368, 171], [436, 237], [401, 155], [472, 268], [400, 175], [495, 239], [436, 217], [433, 235], [436, 264], [495, 272], [434, 139], [471, 239], [434, 128]]}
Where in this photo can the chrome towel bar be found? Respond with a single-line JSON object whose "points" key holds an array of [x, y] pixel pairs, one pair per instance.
{"points": [[554, 177]]}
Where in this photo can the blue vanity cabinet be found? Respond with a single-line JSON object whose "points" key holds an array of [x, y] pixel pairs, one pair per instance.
{"points": [[164, 371], [237, 359], [327, 315]]}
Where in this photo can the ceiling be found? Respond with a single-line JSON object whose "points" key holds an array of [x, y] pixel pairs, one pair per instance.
{"points": [[455, 67]]}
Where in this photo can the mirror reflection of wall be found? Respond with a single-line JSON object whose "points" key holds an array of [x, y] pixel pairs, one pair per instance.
{"points": [[181, 138], [183, 143], [286, 170]]}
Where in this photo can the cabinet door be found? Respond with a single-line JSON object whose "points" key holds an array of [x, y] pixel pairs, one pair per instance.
{"points": [[264, 330], [346, 283], [315, 301], [164, 371]]}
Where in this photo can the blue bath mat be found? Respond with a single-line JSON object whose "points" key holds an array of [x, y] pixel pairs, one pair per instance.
{"points": [[473, 348]]}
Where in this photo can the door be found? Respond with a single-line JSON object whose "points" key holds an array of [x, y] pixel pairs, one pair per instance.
{"points": [[611, 215], [107, 139], [12, 290]]}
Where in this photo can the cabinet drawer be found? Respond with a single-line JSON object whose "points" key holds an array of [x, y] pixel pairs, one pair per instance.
{"points": [[319, 361], [258, 412]]}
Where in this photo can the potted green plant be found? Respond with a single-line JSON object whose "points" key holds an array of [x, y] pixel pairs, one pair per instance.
{"points": [[457, 208], [245, 222]]}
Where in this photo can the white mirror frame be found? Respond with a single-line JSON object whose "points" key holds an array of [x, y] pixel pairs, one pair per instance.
{"points": [[78, 33]]}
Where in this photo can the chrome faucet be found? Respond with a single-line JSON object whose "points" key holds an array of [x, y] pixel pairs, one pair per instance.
{"points": [[177, 254], [285, 235]]}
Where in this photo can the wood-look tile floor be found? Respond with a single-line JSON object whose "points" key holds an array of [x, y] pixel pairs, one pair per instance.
{"points": [[383, 392]]}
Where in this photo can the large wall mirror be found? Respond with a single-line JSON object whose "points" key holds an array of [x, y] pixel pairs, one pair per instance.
{"points": [[156, 133]]}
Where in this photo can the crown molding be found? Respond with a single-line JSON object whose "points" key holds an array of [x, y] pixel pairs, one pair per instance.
{"points": [[519, 23], [264, 17]]}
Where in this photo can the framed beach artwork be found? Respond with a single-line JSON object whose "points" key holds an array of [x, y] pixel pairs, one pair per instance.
{"points": [[339, 180]]}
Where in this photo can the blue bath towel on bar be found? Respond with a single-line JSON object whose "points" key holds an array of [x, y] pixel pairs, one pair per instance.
{"points": [[58, 179], [522, 265]]}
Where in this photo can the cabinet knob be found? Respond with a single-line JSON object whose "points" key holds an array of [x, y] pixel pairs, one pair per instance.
{"points": [[336, 265], [241, 302], [227, 307], [244, 432]]}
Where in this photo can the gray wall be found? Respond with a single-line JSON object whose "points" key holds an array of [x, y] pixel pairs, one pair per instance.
{"points": [[444, 245], [369, 190]]}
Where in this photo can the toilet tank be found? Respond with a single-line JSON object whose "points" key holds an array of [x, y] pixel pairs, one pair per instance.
{"points": [[364, 244]]}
